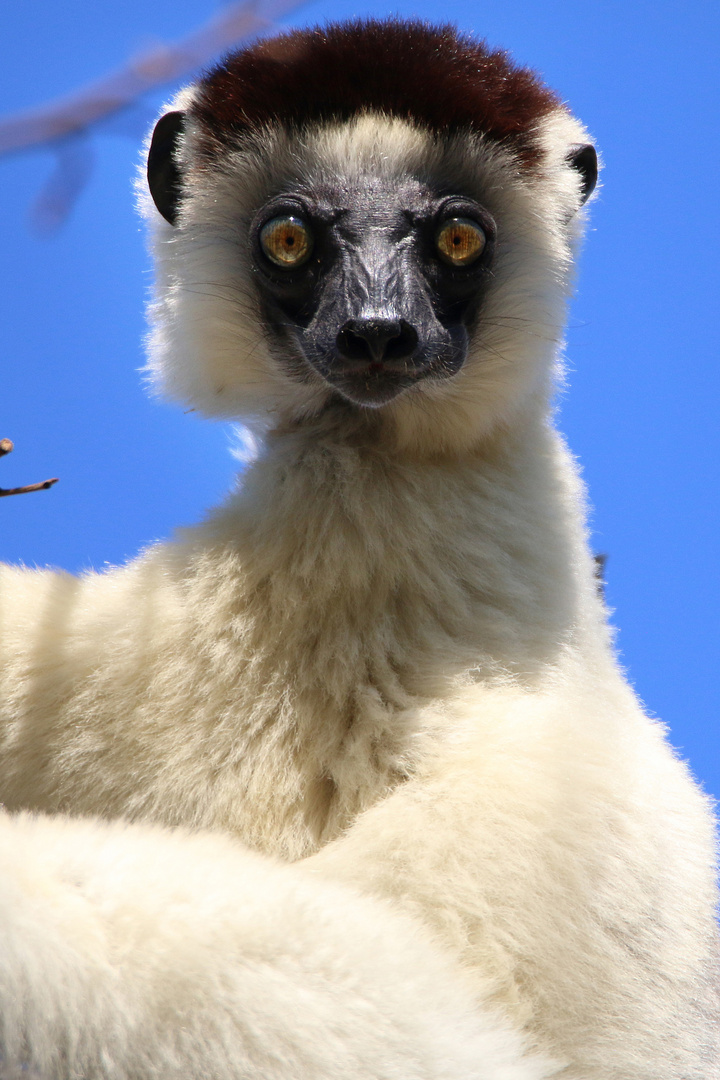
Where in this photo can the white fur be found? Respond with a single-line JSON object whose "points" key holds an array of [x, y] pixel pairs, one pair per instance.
{"points": [[386, 654], [132, 952], [204, 317]]}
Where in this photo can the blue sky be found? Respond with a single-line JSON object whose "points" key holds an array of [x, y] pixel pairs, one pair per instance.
{"points": [[641, 409]]}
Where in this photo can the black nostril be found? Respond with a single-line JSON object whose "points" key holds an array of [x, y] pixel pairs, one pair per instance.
{"points": [[377, 340]]}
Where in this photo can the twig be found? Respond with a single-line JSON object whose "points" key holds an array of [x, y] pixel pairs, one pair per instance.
{"points": [[6, 447], [81, 109], [65, 125]]}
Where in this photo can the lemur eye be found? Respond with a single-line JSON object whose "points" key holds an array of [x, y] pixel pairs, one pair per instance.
{"points": [[286, 241], [460, 241]]}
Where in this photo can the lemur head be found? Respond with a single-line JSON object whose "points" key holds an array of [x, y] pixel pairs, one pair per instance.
{"points": [[375, 217]]}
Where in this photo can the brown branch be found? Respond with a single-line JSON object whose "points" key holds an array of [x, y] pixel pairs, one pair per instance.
{"points": [[79, 110], [6, 447], [600, 560]]}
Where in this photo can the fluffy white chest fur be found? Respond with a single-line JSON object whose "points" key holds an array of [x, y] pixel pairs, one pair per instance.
{"points": [[279, 669], [384, 660]]}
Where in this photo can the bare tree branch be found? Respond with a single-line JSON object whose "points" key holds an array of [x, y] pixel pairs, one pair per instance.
{"points": [[73, 166], [76, 112], [6, 447], [64, 125]]}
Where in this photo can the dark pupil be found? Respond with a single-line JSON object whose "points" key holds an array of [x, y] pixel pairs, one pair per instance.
{"points": [[456, 239], [289, 240]]}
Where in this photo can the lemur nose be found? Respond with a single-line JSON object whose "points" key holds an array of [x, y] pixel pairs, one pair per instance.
{"points": [[377, 340]]}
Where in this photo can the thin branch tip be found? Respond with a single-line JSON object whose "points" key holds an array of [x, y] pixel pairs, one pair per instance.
{"points": [[42, 486], [6, 447]]}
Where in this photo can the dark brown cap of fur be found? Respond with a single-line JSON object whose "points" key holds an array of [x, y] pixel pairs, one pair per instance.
{"points": [[431, 75]]}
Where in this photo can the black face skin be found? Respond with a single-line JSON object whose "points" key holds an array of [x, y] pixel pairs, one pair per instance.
{"points": [[375, 307]]}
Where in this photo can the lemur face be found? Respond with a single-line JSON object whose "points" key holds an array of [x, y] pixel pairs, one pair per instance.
{"points": [[372, 283], [355, 253]]}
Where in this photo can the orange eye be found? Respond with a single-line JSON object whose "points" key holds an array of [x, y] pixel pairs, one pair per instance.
{"points": [[460, 242], [286, 241]]}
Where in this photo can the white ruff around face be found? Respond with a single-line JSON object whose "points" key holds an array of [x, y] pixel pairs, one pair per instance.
{"points": [[208, 348]]}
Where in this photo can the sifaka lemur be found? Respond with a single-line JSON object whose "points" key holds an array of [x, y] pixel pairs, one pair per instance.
{"points": [[384, 659]]}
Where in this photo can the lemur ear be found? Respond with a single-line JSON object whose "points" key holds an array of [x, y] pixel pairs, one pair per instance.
{"points": [[584, 158], [164, 178]]}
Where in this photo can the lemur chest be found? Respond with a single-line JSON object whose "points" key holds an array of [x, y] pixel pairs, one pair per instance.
{"points": [[295, 761], [299, 712]]}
